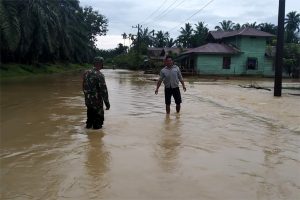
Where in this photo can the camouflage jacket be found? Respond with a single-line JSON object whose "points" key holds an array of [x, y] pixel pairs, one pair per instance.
{"points": [[94, 89]]}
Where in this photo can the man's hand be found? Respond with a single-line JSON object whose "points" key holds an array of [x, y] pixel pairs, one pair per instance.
{"points": [[156, 91], [184, 88], [107, 105]]}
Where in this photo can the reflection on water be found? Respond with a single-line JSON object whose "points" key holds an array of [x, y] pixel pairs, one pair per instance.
{"points": [[97, 157], [169, 143], [228, 142]]}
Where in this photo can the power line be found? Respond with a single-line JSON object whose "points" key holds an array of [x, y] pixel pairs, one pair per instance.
{"points": [[173, 8], [169, 11], [163, 12], [146, 19], [192, 15]]}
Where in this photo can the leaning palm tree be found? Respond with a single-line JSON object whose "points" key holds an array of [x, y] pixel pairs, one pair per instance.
{"points": [[226, 25], [292, 26]]}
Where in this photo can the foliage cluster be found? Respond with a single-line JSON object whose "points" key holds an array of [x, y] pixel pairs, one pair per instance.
{"points": [[35, 31]]}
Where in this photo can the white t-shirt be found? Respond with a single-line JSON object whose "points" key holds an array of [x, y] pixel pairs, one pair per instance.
{"points": [[170, 76]]}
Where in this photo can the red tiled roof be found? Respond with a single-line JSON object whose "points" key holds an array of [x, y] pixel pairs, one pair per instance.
{"points": [[244, 31], [214, 48]]}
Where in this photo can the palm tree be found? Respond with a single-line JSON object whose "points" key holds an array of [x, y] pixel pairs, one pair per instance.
{"points": [[200, 34], [124, 35], [41, 31], [292, 26], [170, 42], [10, 31], [185, 39], [130, 38], [146, 37], [226, 25], [250, 25], [268, 27], [161, 39], [237, 26]]}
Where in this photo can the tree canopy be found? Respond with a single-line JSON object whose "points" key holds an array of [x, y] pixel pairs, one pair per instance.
{"points": [[34, 31]]}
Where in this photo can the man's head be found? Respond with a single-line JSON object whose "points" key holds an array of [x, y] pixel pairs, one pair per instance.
{"points": [[168, 61], [98, 62]]}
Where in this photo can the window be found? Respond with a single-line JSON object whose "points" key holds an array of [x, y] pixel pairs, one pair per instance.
{"points": [[226, 62], [252, 63]]}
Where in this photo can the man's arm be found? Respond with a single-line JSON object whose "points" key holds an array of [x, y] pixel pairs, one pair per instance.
{"points": [[104, 92], [181, 80], [161, 78], [158, 85], [183, 85], [83, 79]]}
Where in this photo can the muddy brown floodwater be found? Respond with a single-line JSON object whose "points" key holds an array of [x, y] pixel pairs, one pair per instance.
{"points": [[228, 143]]}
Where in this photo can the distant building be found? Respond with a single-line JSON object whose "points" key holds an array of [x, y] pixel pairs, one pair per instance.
{"points": [[239, 52], [158, 54]]}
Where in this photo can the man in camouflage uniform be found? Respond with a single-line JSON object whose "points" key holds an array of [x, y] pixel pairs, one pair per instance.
{"points": [[95, 93]]}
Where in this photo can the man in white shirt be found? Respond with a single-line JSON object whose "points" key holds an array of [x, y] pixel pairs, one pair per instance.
{"points": [[171, 76]]}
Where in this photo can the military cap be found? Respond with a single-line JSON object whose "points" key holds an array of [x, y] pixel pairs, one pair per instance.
{"points": [[98, 60]]}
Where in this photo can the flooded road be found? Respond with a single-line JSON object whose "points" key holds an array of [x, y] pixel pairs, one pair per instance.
{"points": [[228, 142]]}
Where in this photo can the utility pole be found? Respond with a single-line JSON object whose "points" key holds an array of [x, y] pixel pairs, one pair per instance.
{"points": [[138, 41], [279, 49]]}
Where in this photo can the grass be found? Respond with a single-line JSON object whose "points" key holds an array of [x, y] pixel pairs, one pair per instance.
{"points": [[17, 70]]}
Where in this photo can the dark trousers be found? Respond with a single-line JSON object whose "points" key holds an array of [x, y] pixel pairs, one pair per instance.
{"points": [[175, 92], [95, 118]]}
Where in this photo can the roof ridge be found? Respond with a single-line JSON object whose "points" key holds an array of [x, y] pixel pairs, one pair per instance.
{"points": [[242, 31]]}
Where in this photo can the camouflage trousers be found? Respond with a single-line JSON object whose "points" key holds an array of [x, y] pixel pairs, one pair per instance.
{"points": [[95, 118]]}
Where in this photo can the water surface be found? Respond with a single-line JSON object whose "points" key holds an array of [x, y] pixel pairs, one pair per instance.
{"points": [[227, 143]]}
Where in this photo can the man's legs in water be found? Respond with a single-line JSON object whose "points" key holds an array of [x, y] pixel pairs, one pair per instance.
{"points": [[90, 118], [177, 108], [99, 118], [168, 109]]}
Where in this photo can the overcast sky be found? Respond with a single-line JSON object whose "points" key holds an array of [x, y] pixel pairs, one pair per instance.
{"points": [[170, 15]]}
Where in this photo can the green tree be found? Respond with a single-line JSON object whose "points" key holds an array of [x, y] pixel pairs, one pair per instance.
{"points": [[236, 26], [268, 27], [95, 23], [250, 25], [47, 31], [121, 49], [170, 42], [145, 37], [226, 25], [10, 31], [291, 59], [292, 27], [124, 36], [185, 37], [200, 34], [161, 39]]}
